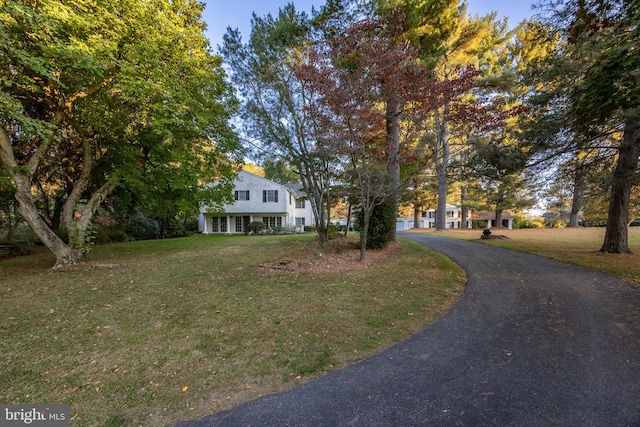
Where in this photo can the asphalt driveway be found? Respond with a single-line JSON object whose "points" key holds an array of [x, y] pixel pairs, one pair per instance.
{"points": [[531, 342]]}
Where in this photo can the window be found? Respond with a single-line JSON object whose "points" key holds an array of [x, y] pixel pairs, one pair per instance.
{"points": [[270, 196], [299, 203], [238, 224], [272, 221], [218, 224], [299, 222], [241, 194]]}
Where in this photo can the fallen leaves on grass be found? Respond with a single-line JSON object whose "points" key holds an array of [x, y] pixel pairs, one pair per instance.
{"points": [[344, 257]]}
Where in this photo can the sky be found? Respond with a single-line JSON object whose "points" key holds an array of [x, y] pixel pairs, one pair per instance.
{"points": [[220, 14]]}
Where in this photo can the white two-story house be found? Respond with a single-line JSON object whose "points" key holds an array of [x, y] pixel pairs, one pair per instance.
{"points": [[258, 199]]}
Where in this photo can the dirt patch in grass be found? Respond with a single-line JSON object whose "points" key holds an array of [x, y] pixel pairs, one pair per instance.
{"points": [[336, 255]]}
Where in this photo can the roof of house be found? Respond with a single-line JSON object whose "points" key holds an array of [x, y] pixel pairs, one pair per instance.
{"points": [[487, 215], [298, 189]]}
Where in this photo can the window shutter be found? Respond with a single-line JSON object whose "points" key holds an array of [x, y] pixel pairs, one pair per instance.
{"points": [[235, 195], [248, 194], [275, 196], [264, 196]]}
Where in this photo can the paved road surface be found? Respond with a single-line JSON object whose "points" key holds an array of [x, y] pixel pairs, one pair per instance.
{"points": [[531, 342]]}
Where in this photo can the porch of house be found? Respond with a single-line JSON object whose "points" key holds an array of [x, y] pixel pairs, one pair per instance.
{"points": [[239, 223]]}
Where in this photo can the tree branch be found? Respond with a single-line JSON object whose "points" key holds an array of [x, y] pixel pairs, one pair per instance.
{"points": [[72, 201], [60, 115]]}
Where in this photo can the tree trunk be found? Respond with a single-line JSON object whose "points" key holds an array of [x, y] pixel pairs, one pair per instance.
{"points": [[442, 164], [416, 216], [316, 197], [64, 254], [616, 239], [393, 156], [346, 228], [578, 195], [498, 223], [26, 206], [363, 234]]}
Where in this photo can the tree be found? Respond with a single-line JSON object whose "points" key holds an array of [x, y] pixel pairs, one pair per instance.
{"points": [[104, 92], [9, 216], [602, 36], [474, 42], [426, 25], [562, 152], [275, 101], [499, 167], [357, 74], [279, 171]]}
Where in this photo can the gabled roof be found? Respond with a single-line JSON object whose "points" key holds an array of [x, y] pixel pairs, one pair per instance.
{"points": [[297, 189], [487, 215]]}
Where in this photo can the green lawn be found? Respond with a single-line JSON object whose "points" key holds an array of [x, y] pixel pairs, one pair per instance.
{"points": [[151, 333]]}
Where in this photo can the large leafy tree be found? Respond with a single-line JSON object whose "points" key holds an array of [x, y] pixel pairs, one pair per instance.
{"points": [[95, 94]]}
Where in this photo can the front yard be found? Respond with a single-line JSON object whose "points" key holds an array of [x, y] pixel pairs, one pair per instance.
{"points": [[155, 332]]}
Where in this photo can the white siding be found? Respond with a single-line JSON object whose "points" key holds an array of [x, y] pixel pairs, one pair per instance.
{"points": [[256, 208]]}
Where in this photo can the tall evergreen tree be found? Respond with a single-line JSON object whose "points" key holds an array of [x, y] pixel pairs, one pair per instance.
{"points": [[602, 38]]}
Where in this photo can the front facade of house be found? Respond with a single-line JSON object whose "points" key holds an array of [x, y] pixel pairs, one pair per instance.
{"points": [[258, 199]]}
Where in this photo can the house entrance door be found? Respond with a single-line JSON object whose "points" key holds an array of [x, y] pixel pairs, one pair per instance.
{"points": [[245, 223]]}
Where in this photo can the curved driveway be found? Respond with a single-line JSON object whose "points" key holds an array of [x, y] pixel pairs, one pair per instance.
{"points": [[531, 342]]}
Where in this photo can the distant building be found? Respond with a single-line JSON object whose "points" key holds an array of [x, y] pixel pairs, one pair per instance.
{"points": [[486, 219], [428, 219]]}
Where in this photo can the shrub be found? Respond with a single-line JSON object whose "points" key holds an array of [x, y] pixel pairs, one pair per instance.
{"points": [[520, 222], [23, 235], [191, 226], [555, 223], [111, 233], [333, 231], [381, 225], [140, 227], [256, 227], [171, 227]]}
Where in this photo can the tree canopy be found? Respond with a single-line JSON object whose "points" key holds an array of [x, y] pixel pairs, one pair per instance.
{"points": [[98, 94]]}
